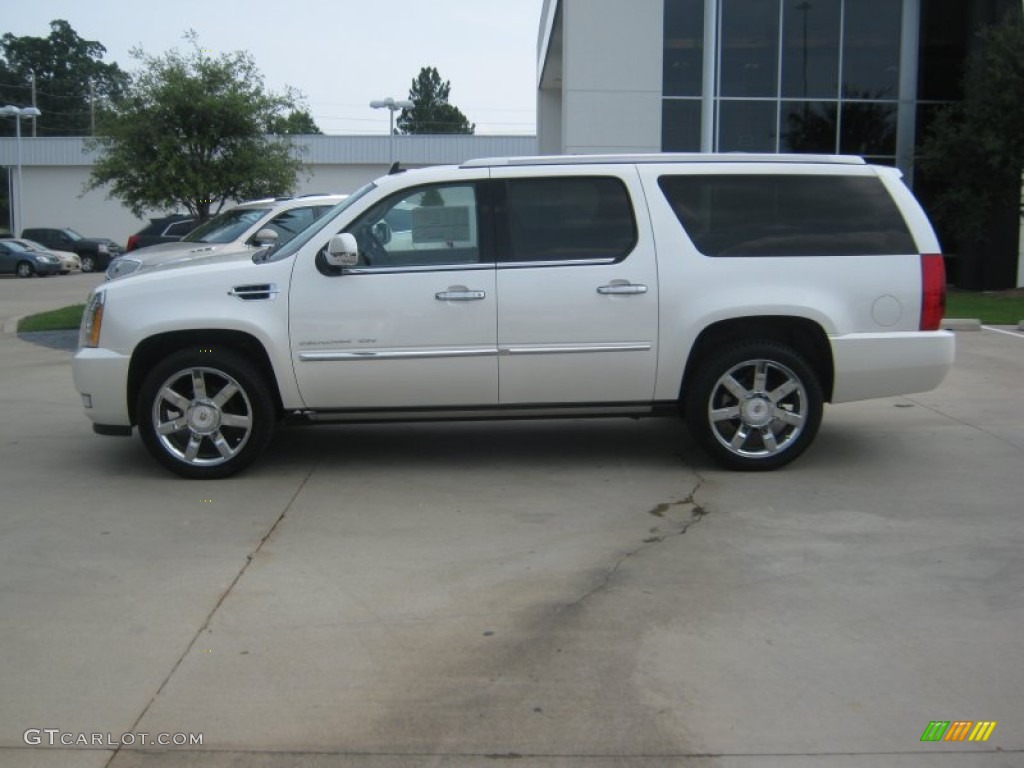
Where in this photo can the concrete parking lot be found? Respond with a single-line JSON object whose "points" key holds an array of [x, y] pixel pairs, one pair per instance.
{"points": [[588, 593]]}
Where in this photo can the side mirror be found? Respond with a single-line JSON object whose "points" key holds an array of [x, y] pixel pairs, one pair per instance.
{"points": [[342, 250], [264, 237]]}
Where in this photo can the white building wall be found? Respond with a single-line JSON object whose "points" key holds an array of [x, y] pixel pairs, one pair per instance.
{"points": [[53, 196], [612, 76], [55, 172]]}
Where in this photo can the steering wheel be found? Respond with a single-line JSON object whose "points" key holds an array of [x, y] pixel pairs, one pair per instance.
{"points": [[373, 250]]}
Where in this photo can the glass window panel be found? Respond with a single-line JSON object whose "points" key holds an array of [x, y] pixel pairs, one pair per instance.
{"points": [[871, 49], [684, 48], [567, 219], [680, 125], [787, 215], [429, 226], [809, 126], [868, 128], [943, 50], [747, 126], [749, 48], [810, 49]]}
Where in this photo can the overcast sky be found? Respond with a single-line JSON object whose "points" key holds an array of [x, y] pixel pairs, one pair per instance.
{"points": [[340, 54]]}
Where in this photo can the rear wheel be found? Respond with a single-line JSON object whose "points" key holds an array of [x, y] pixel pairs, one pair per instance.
{"points": [[756, 405], [205, 415], [88, 264], [25, 269]]}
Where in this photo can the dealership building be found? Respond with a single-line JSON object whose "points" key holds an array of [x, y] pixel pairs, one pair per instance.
{"points": [[862, 77]]}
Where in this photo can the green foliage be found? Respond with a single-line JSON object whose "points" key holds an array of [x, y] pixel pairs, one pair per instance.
{"points": [[432, 113], [191, 131], [63, 319], [64, 66], [297, 123], [975, 149], [993, 308]]}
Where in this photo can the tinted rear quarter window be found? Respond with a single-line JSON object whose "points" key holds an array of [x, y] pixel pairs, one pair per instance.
{"points": [[568, 219], [788, 215], [180, 228]]}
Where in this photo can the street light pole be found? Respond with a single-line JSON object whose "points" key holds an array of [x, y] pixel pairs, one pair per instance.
{"points": [[392, 106], [18, 113]]}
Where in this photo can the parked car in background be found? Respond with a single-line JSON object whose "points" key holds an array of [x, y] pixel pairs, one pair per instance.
{"points": [[166, 229], [245, 227], [18, 260], [69, 262], [95, 252]]}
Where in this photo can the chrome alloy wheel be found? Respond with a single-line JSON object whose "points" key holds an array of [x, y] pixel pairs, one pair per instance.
{"points": [[758, 408], [202, 416]]}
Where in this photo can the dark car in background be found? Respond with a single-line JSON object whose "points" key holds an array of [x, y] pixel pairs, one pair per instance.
{"points": [[94, 252], [19, 260], [166, 229]]}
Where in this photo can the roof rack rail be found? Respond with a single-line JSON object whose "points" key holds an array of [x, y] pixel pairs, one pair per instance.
{"points": [[664, 157]]}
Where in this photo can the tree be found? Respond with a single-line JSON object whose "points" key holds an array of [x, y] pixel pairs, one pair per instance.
{"points": [[974, 155], [192, 132], [432, 113], [297, 123], [67, 70]]}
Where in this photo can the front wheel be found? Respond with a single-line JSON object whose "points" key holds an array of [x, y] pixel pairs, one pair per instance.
{"points": [[754, 406], [205, 415], [25, 269], [88, 264]]}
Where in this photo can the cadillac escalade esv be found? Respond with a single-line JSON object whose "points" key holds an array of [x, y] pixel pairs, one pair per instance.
{"points": [[740, 291]]}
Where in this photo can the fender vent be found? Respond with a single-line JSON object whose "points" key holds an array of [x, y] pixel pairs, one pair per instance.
{"points": [[258, 292]]}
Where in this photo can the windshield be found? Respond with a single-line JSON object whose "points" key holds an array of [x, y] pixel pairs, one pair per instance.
{"points": [[73, 235], [14, 245], [284, 250], [226, 227]]}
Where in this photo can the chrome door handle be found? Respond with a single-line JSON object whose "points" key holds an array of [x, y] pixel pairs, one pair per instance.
{"points": [[460, 295], [622, 289]]}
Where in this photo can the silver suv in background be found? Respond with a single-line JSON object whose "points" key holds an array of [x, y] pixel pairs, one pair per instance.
{"points": [[254, 224]]}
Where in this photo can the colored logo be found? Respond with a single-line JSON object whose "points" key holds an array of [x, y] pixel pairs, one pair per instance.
{"points": [[959, 730]]}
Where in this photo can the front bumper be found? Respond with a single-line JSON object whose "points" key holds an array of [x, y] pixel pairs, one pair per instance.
{"points": [[101, 377]]}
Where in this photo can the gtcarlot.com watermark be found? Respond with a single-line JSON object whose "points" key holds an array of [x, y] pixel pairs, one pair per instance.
{"points": [[55, 737]]}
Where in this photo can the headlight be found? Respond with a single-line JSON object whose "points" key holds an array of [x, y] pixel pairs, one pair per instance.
{"points": [[92, 319], [121, 266], [101, 248]]}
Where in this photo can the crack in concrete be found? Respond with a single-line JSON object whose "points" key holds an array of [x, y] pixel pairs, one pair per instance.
{"points": [[697, 513], [951, 417], [249, 558]]}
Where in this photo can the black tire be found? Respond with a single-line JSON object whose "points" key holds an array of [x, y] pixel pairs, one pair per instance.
{"points": [[197, 441], [754, 406], [88, 263], [25, 269]]}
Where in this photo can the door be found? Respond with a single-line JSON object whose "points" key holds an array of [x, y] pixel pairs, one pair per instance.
{"points": [[8, 262], [577, 287], [413, 325]]}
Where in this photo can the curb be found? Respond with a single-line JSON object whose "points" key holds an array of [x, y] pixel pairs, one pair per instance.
{"points": [[11, 325], [960, 324]]}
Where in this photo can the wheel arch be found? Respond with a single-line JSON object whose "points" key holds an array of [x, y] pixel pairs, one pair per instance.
{"points": [[155, 348], [804, 336]]}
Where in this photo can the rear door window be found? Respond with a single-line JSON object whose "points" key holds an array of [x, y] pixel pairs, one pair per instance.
{"points": [[561, 219], [788, 215]]}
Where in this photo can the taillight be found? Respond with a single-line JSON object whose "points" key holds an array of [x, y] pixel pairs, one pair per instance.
{"points": [[933, 291], [133, 243]]}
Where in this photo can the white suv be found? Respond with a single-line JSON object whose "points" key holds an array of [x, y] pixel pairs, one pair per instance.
{"points": [[742, 291], [254, 224]]}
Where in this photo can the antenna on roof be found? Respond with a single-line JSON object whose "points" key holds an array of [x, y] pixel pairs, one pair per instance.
{"points": [[395, 169]]}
